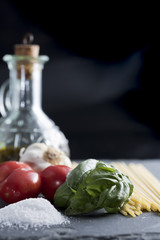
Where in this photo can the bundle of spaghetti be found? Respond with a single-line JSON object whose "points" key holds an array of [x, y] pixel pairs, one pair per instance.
{"points": [[146, 193]]}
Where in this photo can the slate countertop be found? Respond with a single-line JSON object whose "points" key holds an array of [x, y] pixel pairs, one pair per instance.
{"points": [[98, 225]]}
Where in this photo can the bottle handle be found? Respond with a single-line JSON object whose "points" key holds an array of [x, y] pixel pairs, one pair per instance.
{"points": [[4, 98]]}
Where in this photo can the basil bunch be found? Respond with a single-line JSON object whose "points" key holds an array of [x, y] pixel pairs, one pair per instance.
{"points": [[93, 185]]}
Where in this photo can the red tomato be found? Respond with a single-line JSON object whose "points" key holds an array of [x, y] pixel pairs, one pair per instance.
{"points": [[52, 177], [19, 184], [7, 167]]}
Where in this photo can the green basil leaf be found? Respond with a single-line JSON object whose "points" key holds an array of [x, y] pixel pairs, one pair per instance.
{"points": [[63, 195], [74, 177], [94, 185]]}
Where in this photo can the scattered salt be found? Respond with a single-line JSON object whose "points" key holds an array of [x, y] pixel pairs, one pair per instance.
{"points": [[32, 212]]}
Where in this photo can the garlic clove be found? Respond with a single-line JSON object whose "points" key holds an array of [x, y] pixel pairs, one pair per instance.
{"points": [[40, 156], [56, 157]]}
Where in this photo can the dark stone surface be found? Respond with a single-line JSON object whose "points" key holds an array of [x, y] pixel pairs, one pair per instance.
{"points": [[97, 225]]}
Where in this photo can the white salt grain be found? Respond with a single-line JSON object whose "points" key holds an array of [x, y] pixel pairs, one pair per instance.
{"points": [[32, 212]]}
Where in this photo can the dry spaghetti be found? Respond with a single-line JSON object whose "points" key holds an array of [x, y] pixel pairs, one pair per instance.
{"points": [[146, 193]]}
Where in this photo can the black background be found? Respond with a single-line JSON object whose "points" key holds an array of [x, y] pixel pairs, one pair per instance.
{"points": [[101, 85]]}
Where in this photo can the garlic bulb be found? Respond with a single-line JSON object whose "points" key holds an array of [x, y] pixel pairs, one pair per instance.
{"points": [[40, 156]]}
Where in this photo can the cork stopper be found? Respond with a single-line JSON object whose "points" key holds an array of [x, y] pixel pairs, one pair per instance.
{"points": [[27, 48]]}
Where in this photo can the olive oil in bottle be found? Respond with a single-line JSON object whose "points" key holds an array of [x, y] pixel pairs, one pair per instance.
{"points": [[9, 154], [24, 122]]}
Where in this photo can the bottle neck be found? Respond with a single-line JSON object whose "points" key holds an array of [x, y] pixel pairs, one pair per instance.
{"points": [[25, 86]]}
